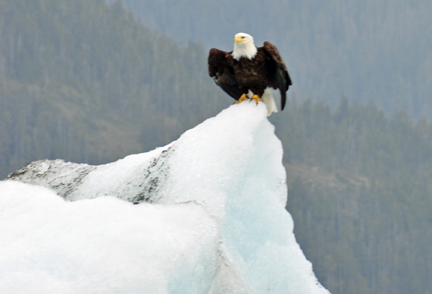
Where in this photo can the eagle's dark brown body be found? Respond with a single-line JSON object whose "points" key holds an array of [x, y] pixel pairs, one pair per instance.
{"points": [[236, 77], [252, 74]]}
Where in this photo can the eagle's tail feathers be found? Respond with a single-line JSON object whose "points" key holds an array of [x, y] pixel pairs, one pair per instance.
{"points": [[270, 102]]}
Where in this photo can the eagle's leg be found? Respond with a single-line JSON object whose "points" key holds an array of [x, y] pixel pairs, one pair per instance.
{"points": [[256, 98], [241, 99]]}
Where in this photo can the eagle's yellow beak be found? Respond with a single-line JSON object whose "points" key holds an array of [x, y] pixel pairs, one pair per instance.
{"points": [[238, 39]]}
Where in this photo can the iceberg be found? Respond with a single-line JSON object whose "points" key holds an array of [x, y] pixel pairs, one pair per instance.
{"points": [[204, 214]]}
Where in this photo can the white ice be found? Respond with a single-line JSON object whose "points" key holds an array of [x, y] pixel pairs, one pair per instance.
{"points": [[211, 218]]}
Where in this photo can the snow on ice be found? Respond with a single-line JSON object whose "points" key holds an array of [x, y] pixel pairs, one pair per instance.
{"points": [[205, 214]]}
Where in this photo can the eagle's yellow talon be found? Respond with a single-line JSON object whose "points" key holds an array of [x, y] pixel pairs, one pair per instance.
{"points": [[256, 98], [241, 99]]}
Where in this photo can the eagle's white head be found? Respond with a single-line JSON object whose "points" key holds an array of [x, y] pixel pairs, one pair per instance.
{"points": [[244, 46]]}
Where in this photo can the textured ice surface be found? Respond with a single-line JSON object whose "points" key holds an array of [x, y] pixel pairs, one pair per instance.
{"points": [[103, 245], [211, 218]]}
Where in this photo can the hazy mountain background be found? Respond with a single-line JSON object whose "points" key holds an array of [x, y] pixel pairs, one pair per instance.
{"points": [[87, 82], [376, 50]]}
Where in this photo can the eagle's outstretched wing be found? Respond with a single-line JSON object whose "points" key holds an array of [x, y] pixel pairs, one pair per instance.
{"points": [[277, 70], [222, 73]]}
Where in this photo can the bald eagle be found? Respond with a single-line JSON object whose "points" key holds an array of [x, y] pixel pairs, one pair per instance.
{"points": [[248, 70]]}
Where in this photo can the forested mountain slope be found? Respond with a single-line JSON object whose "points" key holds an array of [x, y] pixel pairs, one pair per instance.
{"points": [[373, 49], [81, 80], [360, 195], [84, 81]]}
